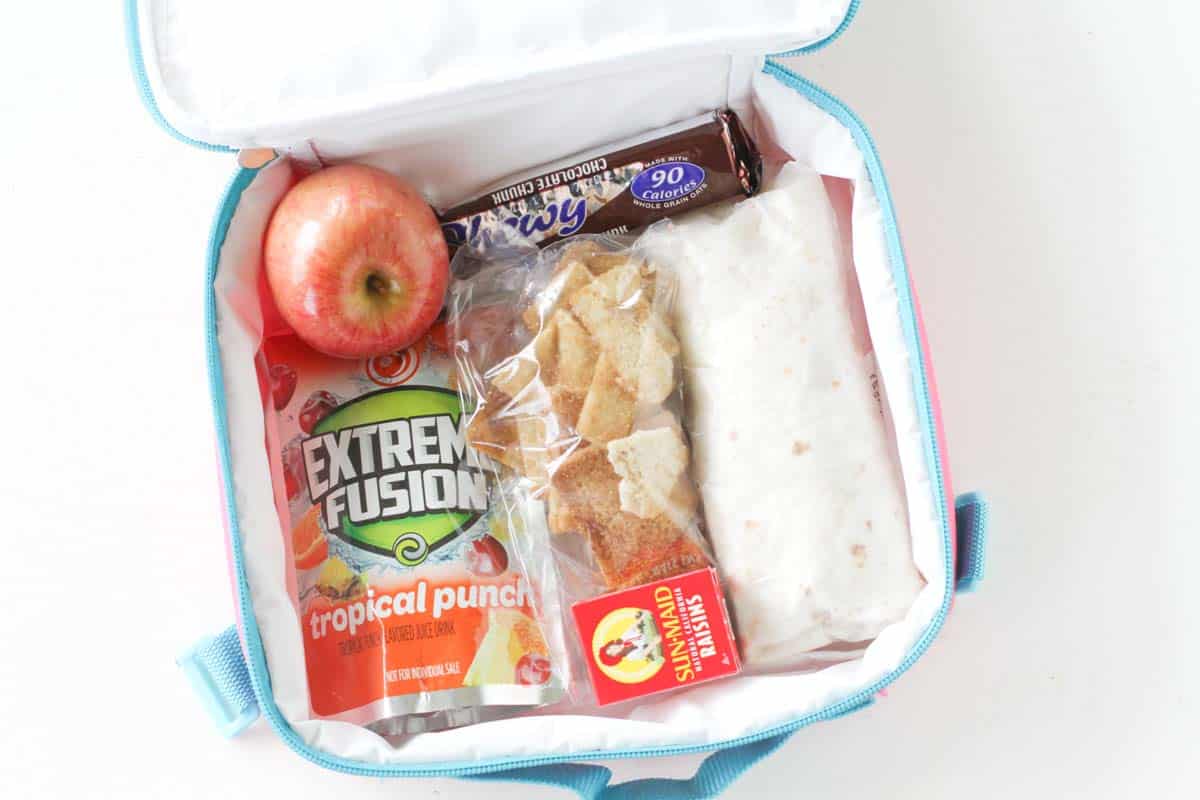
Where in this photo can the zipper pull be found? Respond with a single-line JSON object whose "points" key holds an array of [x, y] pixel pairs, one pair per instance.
{"points": [[255, 157]]}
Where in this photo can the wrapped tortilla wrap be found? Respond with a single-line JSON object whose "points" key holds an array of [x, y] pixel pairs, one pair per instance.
{"points": [[793, 453]]}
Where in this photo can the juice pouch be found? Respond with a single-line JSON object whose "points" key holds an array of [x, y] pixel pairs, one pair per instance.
{"points": [[418, 605]]}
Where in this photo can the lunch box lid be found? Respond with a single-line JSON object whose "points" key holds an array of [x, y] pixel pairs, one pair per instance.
{"points": [[227, 75]]}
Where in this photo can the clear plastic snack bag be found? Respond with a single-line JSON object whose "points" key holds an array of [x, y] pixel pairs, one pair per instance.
{"points": [[568, 358], [570, 362]]}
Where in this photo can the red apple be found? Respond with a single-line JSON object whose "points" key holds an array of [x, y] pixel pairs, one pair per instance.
{"points": [[356, 261]]}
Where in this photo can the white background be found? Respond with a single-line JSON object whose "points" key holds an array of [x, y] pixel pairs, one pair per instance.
{"points": [[1044, 161]]}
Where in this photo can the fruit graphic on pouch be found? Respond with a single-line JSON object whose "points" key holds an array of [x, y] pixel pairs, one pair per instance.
{"points": [[533, 669], [485, 557], [338, 582], [293, 471], [316, 408], [511, 636], [318, 604], [309, 546], [283, 385]]}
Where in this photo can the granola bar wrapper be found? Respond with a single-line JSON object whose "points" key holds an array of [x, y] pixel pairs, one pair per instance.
{"points": [[569, 360], [419, 605], [616, 189]]}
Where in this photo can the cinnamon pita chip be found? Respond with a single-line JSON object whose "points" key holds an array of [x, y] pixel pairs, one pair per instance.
{"points": [[545, 352], [661, 329], [535, 453], [493, 430], [558, 514], [608, 409], [513, 374], [578, 252], [568, 277], [656, 367], [625, 285], [615, 330], [650, 464], [576, 353], [592, 305], [567, 404], [597, 258], [633, 551], [602, 262], [585, 478], [628, 549]]}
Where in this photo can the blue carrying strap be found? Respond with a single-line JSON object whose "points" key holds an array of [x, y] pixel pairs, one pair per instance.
{"points": [[590, 781], [971, 523], [216, 668], [713, 777]]}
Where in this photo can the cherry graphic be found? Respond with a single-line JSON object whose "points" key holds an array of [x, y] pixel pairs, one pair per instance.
{"points": [[283, 385], [486, 557], [316, 408], [293, 471], [533, 669]]}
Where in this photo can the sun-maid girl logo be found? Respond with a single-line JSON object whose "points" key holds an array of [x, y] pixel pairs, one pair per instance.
{"points": [[627, 645], [393, 474]]}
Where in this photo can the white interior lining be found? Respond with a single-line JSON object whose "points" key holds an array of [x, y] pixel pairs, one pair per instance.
{"points": [[499, 136], [700, 716], [273, 74]]}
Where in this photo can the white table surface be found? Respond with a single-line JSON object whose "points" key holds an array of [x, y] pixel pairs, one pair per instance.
{"points": [[1043, 158]]}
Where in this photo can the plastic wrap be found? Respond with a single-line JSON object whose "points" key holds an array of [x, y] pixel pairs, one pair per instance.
{"points": [[794, 451], [569, 360]]}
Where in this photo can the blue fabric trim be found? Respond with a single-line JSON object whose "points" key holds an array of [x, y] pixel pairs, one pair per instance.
{"points": [[714, 776], [851, 11], [217, 671], [590, 781], [971, 520], [137, 62]]}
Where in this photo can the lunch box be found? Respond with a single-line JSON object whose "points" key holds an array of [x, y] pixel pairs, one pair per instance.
{"points": [[455, 97]]}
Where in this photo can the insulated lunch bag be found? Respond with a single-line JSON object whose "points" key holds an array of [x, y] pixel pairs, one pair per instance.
{"points": [[455, 99]]}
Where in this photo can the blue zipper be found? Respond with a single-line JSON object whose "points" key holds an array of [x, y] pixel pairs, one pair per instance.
{"points": [[256, 657], [851, 11], [133, 43]]}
